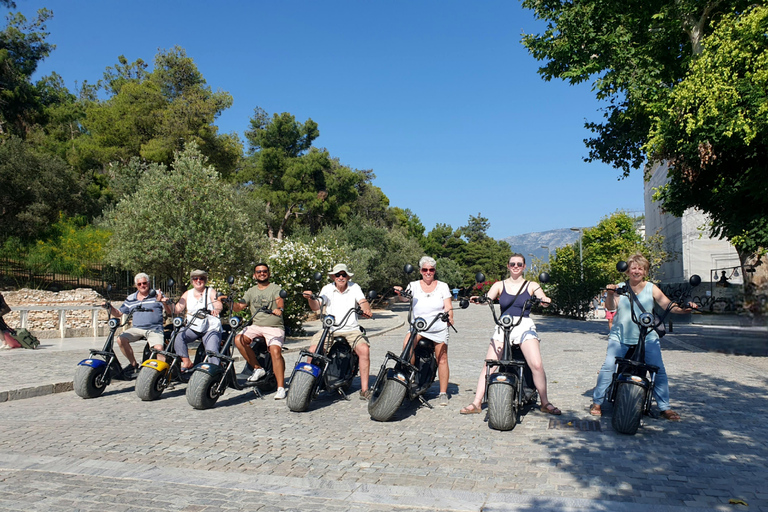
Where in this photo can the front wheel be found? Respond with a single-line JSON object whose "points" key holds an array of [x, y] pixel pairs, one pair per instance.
{"points": [[89, 382], [628, 408], [382, 406], [502, 412], [300, 391], [149, 384], [201, 391]]}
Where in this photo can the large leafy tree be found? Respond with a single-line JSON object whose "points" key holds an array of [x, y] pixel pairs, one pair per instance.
{"points": [[634, 52], [714, 133], [185, 218]]}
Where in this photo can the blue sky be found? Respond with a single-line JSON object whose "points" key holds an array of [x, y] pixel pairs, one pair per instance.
{"points": [[439, 98]]}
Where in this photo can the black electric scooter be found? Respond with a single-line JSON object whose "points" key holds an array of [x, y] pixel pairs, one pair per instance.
{"points": [[508, 382], [633, 380], [403, 378], [324, 370]]}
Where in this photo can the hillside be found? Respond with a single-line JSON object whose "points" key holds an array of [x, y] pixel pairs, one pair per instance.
{"points": [[530, 243]]}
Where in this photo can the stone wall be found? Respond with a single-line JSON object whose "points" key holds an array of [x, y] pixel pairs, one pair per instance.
{"points": [[44, 324]]}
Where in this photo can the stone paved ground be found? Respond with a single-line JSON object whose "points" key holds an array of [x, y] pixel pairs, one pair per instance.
{"points": [[60, 452]]}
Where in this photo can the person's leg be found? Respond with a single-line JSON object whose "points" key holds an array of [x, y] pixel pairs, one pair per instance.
{"points": [[364, 360], [614, 350], [443, 372], [278, 364], [661, 387], [494, 352], [212, 342], [183, 338], [156, 340], [124, 342], [531, 349], [243, 344]]}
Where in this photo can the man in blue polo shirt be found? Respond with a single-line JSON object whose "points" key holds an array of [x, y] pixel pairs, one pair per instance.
{"points": [[146, 325]]}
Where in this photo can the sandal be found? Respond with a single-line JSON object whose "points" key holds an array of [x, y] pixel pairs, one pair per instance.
{"points": [[670, 415], [595, 410], [550, 409], [471, 409]]}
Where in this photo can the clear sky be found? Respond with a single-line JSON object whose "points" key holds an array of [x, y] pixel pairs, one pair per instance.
{"points": [[439, 98]]}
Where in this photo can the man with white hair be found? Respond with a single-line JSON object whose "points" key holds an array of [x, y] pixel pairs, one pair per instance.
{"points": [[146, 325], [339, 297]]}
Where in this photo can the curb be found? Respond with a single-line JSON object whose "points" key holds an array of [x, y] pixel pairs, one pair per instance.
{"points": [[62, 387]]}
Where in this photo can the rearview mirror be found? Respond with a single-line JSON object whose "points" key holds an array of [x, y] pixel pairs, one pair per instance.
{"points": [[544, 277], [695, 280], [463, 303], [231, 280], [622, 266], [480, 277], [171, 282], [408, 268], [317, 276], [283, 294], [372, 295]]}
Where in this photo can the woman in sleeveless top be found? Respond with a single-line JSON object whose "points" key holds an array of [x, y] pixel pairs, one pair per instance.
{"points": [[199, 297], [431, 298], [512, 294], [624, 332]]}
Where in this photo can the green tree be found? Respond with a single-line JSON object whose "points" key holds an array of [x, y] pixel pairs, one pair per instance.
{"points": [[22, 47], [185, 218], [713, 133], [634, 52], [443, 242], [476, 229], [450, 273]]}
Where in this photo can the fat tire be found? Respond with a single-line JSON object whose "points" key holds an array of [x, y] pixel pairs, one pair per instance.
{"points": [[502, 411], [628, 408], [300, 391], [148, 384], [386, 404], [200, 391], [86, 385]]}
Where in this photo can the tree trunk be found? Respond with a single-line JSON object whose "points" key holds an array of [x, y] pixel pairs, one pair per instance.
{"points": [[755, 283]]}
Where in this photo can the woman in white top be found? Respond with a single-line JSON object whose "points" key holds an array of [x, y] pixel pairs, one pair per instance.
{"points": [[431, 298], [198, 298]]}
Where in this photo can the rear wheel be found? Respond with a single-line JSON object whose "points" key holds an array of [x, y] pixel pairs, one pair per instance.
{"points": [[300, 390], [502, 412], [383, 405], [149, 385], [201, 392], [89, 382], [628, 408]]}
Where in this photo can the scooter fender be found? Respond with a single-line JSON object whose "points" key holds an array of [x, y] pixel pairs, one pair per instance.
{"points": [[401, 377], [502, 378], [214, 370], [308, 368], [93, 363], [155, 364], [633, 379]]}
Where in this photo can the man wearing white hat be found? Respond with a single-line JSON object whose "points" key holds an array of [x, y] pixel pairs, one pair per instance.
{"points": [[339, 297]]}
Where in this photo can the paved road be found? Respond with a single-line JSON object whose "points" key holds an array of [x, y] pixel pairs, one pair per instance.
{"points": [[60, 452]]}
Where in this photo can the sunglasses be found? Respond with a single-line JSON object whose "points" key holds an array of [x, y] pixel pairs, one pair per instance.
{"points": [[518, 263], [142, 284], [261, 271], [199, 279], [341, 274], [427, 271]]}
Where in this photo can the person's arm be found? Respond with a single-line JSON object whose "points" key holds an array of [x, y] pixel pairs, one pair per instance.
{"points": [[539, 293], [366, 307], [280, 303], [216, 304], [182, 304], [663, 302], [314, 304], [162, 299], [610, 297]]}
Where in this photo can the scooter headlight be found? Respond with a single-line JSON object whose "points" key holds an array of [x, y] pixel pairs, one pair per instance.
{"points": [[420, 324], [178, 322], [329, 320], [506, 321], [113, 323], [646, 319], [235, 322]]}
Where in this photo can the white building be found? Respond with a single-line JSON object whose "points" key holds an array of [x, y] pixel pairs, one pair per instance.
{"points": [[687, 241]]}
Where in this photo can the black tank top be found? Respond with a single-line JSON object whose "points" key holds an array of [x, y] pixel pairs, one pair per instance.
{"points": [[514, 309]]}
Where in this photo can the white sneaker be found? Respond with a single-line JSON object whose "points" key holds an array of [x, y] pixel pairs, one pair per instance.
{"points": [[257, 374], [443, 399], [280, 395]]}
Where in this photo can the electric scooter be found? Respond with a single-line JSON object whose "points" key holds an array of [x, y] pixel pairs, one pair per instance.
{"points": [[406, 378], [633, 380]]}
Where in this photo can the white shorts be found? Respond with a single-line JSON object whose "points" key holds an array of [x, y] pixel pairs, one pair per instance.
{"points": [[272, 335], [526, 329]]}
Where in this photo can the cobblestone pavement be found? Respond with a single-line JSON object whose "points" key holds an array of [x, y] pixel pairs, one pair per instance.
{"points": [[60, 452]]}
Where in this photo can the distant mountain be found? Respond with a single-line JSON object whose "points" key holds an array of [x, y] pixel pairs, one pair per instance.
{"points": [[530, 243]]}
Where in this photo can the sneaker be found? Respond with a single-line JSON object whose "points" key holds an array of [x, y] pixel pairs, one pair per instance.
{"points": [[365, 395], [130, 371], [442, 399], [280, 395], [257, 374]]}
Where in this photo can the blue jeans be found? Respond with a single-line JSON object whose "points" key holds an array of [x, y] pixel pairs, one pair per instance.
{"points": [[652, 356], [211, 341]]}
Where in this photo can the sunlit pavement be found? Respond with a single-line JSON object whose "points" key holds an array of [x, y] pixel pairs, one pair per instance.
{"points": [[60, 452]]}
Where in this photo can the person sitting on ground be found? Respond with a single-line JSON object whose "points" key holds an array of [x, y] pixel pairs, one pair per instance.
{"points": [[267, 323], [431, 298], [512, 294], [199, 298], [8, 340], [146, 325], [339, 297]]}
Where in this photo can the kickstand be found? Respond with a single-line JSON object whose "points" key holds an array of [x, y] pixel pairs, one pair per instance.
{"points": [[258, 392], [343, 394], [423, 401]]}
